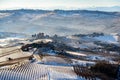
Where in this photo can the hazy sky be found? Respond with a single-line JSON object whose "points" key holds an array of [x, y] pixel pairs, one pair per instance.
{"points": [[56, 4]]}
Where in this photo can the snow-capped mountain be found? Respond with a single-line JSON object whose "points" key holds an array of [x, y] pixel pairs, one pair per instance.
{"points": [[62, 22]]}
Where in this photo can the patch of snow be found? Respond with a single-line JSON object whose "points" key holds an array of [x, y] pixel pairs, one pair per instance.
{"points": [[7, 41], [51, 52], [76, 53], [96, 57], [82, 62], [106, 38], [42, 40], [51, 60]]}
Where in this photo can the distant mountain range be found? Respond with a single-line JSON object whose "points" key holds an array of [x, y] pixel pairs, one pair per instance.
{"points": [[62, 22], [109, 9]]}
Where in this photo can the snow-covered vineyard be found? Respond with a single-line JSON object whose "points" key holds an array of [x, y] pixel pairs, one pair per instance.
{"points": [[24, 72], [32, 71]]}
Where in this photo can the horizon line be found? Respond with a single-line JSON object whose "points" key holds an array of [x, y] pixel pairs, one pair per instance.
{"points": [[55, 9]]}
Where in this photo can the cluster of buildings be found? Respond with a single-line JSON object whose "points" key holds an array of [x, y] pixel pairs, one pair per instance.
{"points": [[40, 36]]}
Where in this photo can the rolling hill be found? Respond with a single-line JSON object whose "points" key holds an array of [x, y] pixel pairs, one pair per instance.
{"points": [[62, 22]]}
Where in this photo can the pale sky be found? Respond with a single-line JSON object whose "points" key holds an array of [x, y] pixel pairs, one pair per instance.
{"points": [[56, 4]]}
